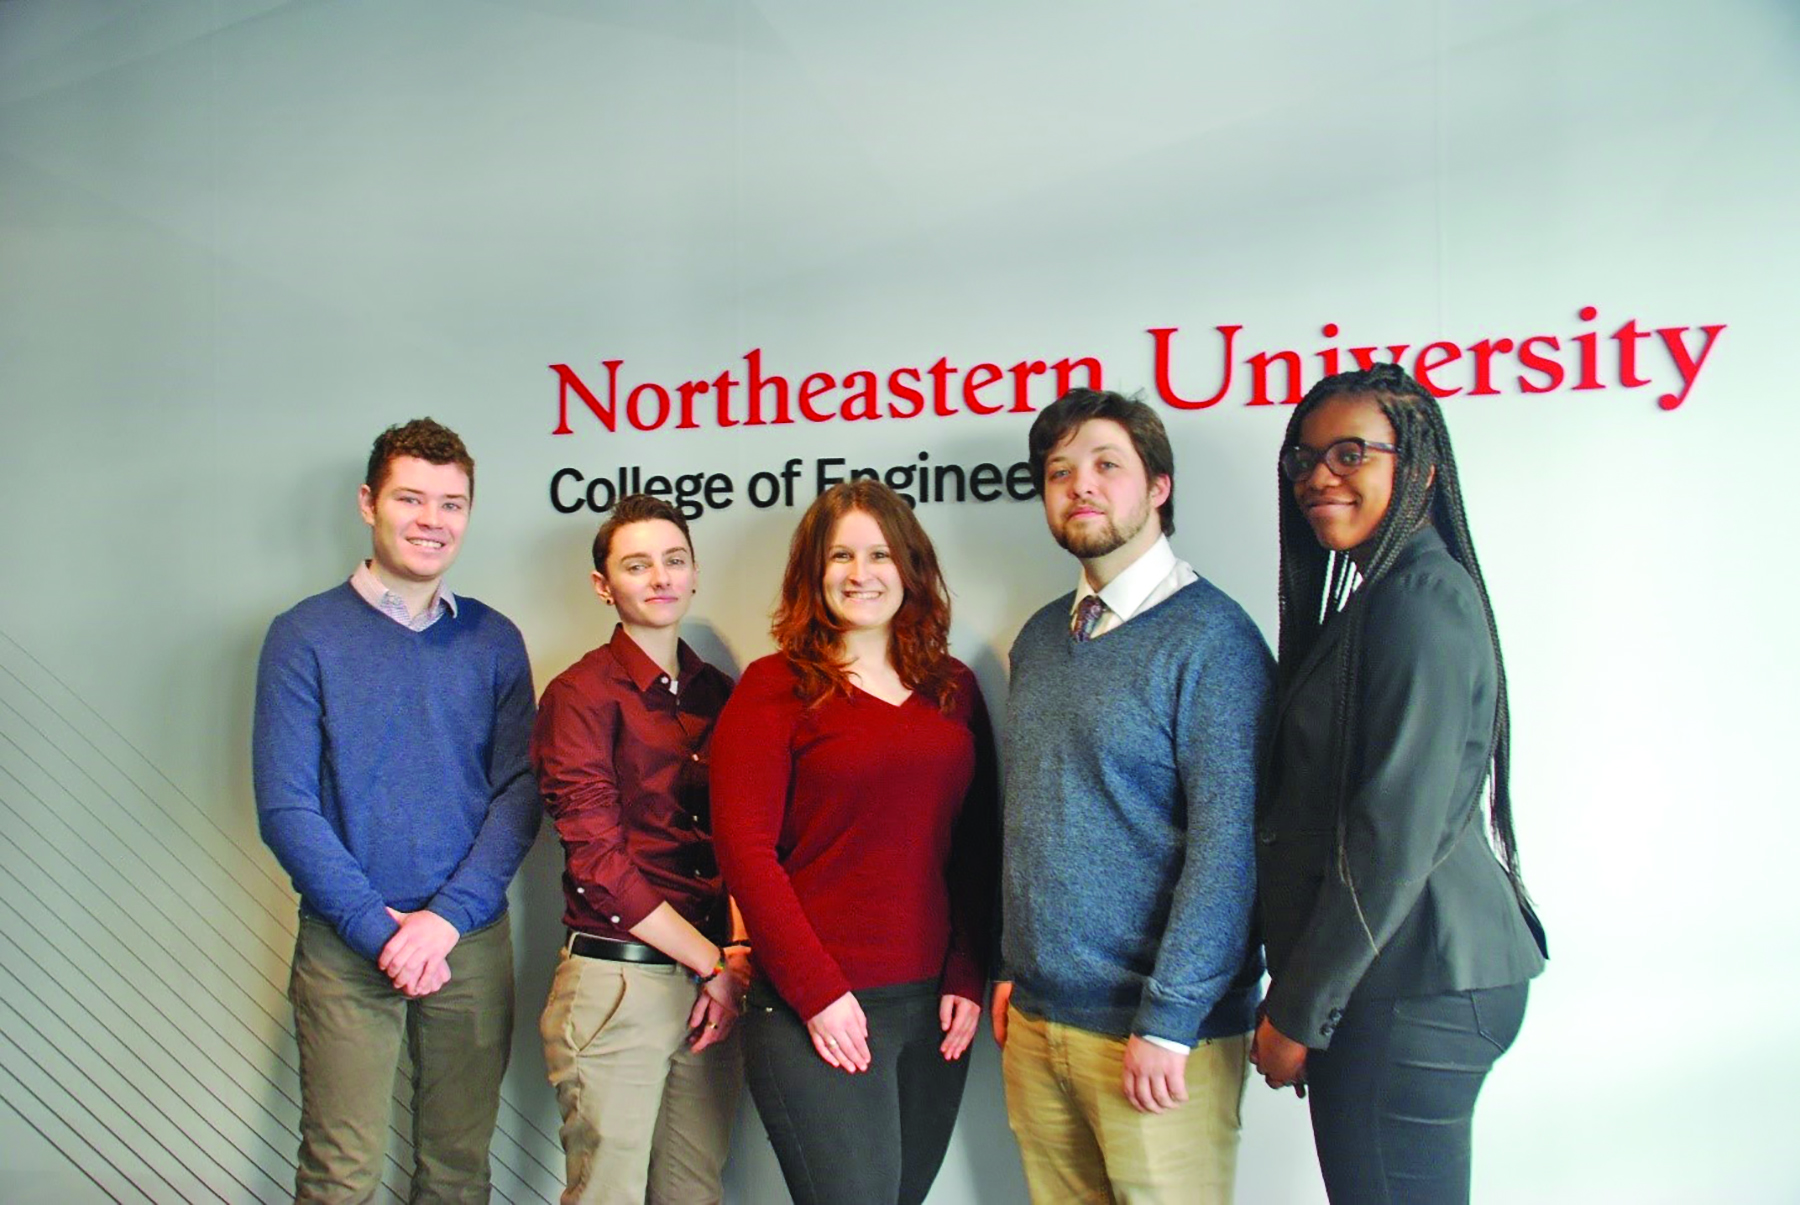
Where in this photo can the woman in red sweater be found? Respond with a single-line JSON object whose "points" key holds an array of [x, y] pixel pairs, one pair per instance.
{"points": [[853, 789]]}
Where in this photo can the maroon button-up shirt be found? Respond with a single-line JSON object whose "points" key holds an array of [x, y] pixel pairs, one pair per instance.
{"points": [[622, 764]]}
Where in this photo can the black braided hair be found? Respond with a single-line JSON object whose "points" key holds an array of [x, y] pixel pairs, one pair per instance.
{"points": [[1319, 586]]}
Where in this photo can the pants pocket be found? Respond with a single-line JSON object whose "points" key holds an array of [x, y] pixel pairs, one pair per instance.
{"points": [[1499, 1014], [585, 996]]}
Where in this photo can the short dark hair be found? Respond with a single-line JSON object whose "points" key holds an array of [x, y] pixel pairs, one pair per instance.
{"points": [[634, 508], [424, 439], [1061, 418]]}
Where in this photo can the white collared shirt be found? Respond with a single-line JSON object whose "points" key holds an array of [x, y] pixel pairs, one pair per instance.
{"points": [[377, 595], [1152, 578]]}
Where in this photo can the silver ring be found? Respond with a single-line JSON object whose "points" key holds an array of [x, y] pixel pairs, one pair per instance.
{"points": [[831, 1042]]}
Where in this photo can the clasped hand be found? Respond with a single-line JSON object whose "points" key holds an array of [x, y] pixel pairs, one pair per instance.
{"points": [[1280, 1059], [415, 956], [719, 1002]]}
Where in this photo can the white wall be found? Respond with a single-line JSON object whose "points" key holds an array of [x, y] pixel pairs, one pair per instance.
{"points": [[237, 240]]}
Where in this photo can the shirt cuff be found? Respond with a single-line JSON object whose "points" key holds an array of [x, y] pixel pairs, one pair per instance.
{"points": [[1166, 1044], [634, 900]]}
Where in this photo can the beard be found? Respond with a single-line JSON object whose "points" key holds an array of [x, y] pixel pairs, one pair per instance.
{"points": [[1097, 541]]}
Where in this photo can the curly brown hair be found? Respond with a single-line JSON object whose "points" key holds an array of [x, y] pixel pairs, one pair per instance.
{"points": [[812, 638], [424, 439]]}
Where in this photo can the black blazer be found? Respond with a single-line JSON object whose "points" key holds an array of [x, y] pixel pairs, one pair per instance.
{"points": [[1437, 911]]}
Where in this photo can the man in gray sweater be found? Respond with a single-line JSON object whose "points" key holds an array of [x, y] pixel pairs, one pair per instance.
{"points": [[1129, 978]]}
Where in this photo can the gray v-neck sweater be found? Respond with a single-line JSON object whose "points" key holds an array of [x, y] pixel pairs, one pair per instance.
{"points": [[1129, 876]]}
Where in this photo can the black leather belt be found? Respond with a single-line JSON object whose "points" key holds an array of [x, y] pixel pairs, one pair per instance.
{"points": [[587, 945]]}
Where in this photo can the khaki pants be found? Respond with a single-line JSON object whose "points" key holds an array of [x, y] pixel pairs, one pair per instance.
{"points": [[349, 1023], [644, 1118], [1081, 1141]]}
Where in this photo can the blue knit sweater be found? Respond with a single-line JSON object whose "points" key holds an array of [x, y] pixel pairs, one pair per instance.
{"points": [[391, 766], [1131, 762]]}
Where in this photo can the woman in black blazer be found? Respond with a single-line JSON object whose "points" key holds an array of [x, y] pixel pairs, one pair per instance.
{"points": [[1399, 945]]}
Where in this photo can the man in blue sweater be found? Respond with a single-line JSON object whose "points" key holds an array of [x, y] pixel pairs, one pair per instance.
{"points": [[1129, 979], [392, 782]]}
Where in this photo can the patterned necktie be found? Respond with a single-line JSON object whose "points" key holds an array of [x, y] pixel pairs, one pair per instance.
{"points": [[1087, 617]]}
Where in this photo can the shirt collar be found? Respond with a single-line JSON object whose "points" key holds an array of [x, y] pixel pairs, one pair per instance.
{"points": [[375, 592], [638, 665], [1135, 583]]}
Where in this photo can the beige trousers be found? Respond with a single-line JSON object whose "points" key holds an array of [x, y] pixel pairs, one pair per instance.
{"points": [[644, 1118], [1081, 1141]]}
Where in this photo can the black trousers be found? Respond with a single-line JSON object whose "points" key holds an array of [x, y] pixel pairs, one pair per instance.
{"points": [[1393, 1099], [873, 1138]]}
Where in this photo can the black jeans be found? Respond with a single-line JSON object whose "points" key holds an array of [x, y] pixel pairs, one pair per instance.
{"points": [[873, 1138], [1393, 1099]]}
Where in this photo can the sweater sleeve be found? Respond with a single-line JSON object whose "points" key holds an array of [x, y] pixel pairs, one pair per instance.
{"points": [[476, 889], [974, 861], [572, 748], [1222, 710], [1425, 645], [752, 777], [287, 747]]}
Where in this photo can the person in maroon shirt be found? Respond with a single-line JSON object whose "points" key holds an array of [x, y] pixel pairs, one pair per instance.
{"points": [[854, 780], [646, 1068]]}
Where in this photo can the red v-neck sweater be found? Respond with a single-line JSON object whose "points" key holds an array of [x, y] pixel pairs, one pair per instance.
{"points": [[859, 838]]}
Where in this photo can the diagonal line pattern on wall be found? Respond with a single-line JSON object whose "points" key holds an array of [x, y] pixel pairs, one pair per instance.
{"points": [[165, 1116], [65, 1136], [184, 1187], [252, 1060], [58, 782], [100, 1002], [29, 667], [155, 1005], [172, 881], [134, 897]]}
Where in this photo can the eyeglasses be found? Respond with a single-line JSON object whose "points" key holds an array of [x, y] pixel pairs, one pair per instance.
{"points": [[1343, 458]]}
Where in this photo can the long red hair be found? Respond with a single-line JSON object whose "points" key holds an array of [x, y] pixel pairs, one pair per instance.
{"points": [[812, 638]]}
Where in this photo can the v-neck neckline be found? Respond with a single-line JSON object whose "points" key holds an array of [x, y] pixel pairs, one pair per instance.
{"points": [[867, 694]]}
